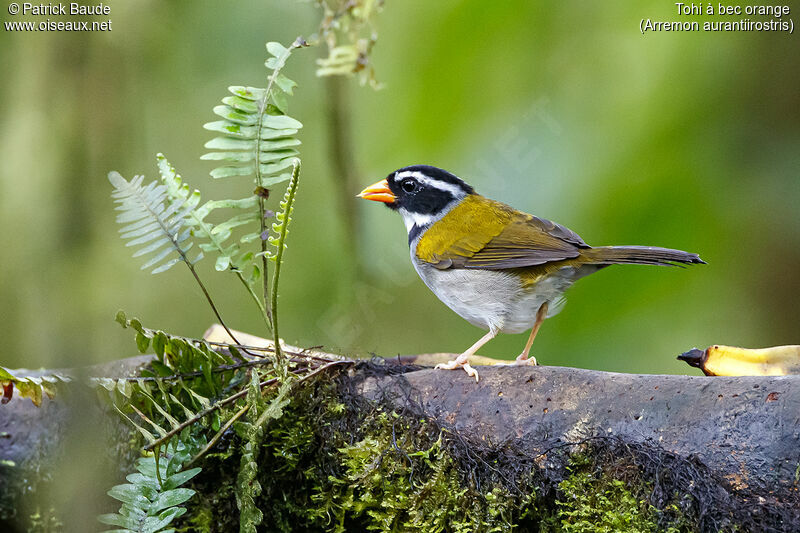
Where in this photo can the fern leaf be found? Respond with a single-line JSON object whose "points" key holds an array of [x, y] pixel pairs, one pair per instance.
{"points": [[281, 230], [257, 134], [150, 222], [148, 506], [216, 236], [284, 217], [185, 375]]}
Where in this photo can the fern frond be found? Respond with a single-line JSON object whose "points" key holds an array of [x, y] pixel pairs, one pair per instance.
{"points": [[260, 412], [257, 134], [150, 223], [148, 504], [186, 375], [33, 387], [217, 236], [281, 230], [284, 217]]}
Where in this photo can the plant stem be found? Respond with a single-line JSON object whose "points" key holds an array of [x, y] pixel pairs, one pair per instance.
{"points": [[267, 306], [219, 434], [257, 300], [289, 201], [177, 246], [156, 457], [262, 210], [206, 412], [210, 301]]}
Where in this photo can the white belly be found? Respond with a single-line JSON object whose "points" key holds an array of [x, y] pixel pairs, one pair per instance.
{"points": [[494, 299]]}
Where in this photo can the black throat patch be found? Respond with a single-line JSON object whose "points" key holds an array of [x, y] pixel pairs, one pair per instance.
{"points": [[414, 232]]}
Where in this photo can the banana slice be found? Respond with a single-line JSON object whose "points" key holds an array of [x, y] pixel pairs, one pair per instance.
{"points": [[721, 360]]}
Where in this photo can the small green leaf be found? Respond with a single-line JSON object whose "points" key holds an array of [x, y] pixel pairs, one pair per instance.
{"points": [[285, 84], [276, 49], [155, 524], [159, 341], [238, 117], [249, 237], [128, 494], [227, 143], [272, 168], [118, 520], [280, 101], [142, 342], [277, 155], [170, 498], [223, 262], [249, 93], [169, 264], [281, 122], [273, 180], [227, 172], [241, 104], [176, 480]]}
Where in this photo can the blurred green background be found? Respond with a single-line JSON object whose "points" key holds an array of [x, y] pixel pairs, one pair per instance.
{"points": [[684, 140]]}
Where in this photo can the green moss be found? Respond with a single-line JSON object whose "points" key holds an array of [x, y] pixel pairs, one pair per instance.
{"points": [[328, 466], [591, 502]]}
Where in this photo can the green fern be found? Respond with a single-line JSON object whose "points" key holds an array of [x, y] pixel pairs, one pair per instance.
{"points": [[281, 230], [151, 224], [252, 431], [160, 225], [216, 235], [186, 376], [257, 141], [257, 134], [148, 504], [230, 255]]}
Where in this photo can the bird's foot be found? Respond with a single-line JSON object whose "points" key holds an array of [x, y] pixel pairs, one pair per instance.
{"points": [[525, 360], [460, 362]]}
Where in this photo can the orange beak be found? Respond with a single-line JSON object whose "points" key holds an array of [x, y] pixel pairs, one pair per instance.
{"points": [[378, 192]]}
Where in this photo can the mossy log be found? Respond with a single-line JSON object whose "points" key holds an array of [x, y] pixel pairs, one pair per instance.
{"points": [[730, 445], [743, 429]]}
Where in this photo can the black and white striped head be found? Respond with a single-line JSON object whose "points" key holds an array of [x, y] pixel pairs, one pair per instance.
{"points": [[422, 194]]}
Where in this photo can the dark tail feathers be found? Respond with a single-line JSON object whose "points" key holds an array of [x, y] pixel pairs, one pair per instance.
{"points": [[640, 255]]}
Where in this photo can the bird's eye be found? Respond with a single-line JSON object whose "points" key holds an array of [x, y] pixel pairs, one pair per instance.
{"points": [[409, 185]]}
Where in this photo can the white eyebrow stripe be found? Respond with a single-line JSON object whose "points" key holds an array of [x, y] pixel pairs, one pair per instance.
{"points": [[453, 189]]}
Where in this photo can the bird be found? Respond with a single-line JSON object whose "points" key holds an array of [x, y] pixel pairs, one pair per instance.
{"points": [[500, 269]]}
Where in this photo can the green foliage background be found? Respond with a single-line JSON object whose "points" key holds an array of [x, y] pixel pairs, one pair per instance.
{"points": [[687, 140]]}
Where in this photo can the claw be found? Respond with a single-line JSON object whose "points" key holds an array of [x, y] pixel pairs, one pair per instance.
{"points": [[527, 361], [471, 372], [455, 363]]}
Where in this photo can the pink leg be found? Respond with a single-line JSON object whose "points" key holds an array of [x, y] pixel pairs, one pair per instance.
{"points": [[522, 359], [462, 361]]}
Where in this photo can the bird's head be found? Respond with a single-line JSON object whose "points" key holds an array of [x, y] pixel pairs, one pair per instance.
{"points": [[422, 194]]}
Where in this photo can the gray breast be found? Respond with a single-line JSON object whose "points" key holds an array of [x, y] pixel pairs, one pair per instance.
{"points": [[482, 297], [493, 299]]}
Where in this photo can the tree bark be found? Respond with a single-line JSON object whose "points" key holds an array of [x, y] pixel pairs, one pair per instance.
{"points": [[745, 430], [741, 433]]}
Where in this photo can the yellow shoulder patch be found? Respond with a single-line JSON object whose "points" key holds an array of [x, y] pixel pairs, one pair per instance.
{"points": [[464, 231]]}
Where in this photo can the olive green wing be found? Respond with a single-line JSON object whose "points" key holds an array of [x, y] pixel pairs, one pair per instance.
{"points": [[484, 234], [526, 241]]}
